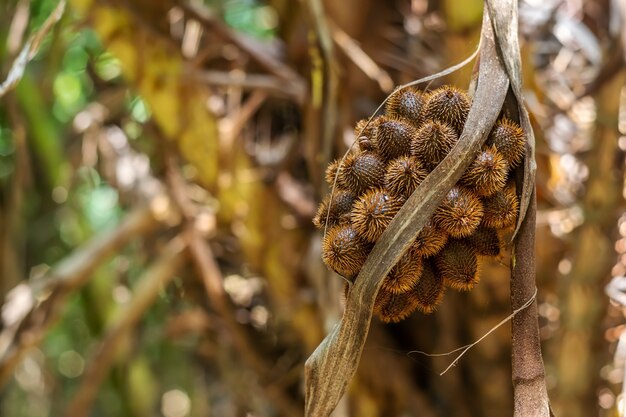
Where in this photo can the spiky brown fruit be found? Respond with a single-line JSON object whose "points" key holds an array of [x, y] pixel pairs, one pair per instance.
{"points": [[510, 140], [457, 265], [432, 142], [449, 105], [404, 275], [393, 137], [501, 209], [331, 172], [391, 307], [373, 212], [487, 173], [460, 212], [361, 171], [403, 175], [338, 212], [406, 103], [344, 251], [360, 128], [485, 241], [429, 241], [428, 292], [366, 144], [365, 135]]}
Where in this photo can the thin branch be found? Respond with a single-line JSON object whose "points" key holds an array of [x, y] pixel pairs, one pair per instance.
{"points": [[362, 60], [31, 309], [29, 49], [246, 44], [153, 280], [325, 92], [465, 349], [334, 362], [269, 83]]}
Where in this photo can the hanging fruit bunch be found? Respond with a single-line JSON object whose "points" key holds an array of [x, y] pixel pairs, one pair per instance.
{"points": [[395, 152]]}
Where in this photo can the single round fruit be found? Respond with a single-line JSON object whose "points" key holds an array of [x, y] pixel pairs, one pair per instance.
{"points": [[391, 307], [361, 171], [485, 241], [335, 212], [449, 105], [393, 137], [457, 265], [403, 175], [460, 212], [430, 240], [406, 103], [404, 275], [509, 139], [428, 292], [344, 251], [373, 212], [487, 173], [501, 209], [432, 142]]}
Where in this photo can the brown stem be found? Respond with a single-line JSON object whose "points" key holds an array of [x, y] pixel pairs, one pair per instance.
{"points": [[529, 385]]}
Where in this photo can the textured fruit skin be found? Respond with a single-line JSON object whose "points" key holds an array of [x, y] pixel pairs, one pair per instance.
{"points": [[485, 241], [487, 173], [501, 209], [406, 103], [344, 251], [432, 142], [428, 293], [457, 265], [403, 176], [365, 135], [362, 171], [510, 140], [448, 105], [366, 144], [338, 212], [331, 172], [360, 130], [393, 137], [373, 212], [404, 275], [392, 308], [460, 212], [430, 240]]}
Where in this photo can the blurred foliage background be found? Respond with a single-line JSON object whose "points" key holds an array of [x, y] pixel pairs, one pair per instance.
{"points": [[160, 163]]}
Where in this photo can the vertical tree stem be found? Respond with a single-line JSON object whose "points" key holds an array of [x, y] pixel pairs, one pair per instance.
{"points": [[529, 387]]}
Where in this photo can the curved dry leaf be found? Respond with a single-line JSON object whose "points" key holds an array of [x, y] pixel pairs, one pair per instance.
{"points": [[504, 18]]}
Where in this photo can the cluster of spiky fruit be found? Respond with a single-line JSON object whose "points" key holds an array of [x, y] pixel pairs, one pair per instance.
{"points": [[395, 153]]}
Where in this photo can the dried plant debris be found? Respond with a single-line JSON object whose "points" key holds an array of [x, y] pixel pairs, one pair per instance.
{"points": [[395, 153]]}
